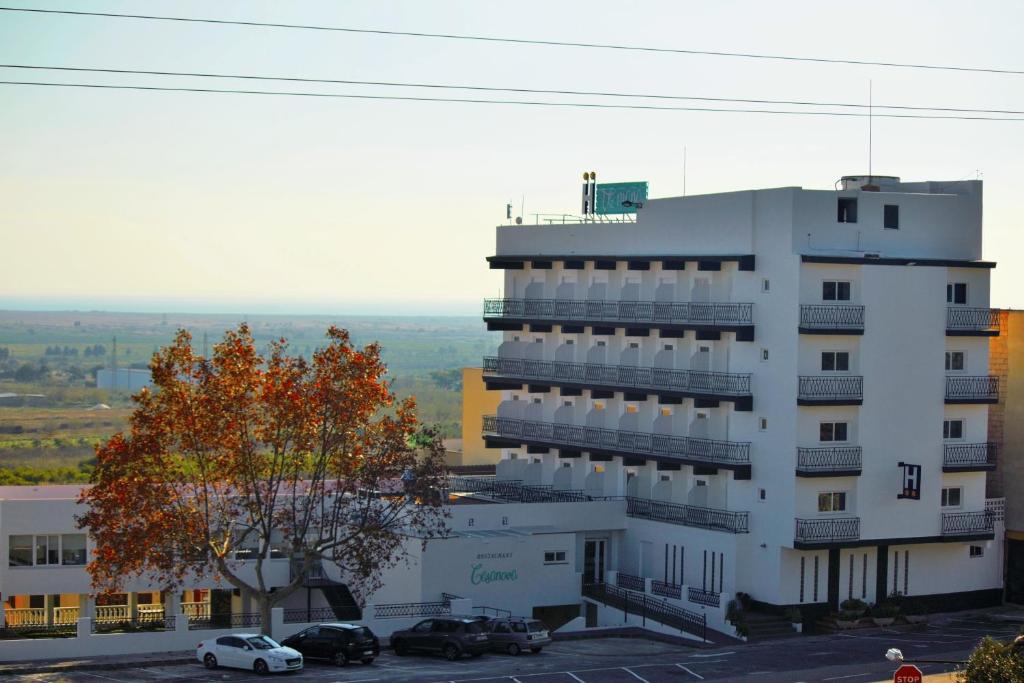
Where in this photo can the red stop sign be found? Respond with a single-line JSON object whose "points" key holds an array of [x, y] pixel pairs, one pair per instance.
{"points": [[908, 673]]}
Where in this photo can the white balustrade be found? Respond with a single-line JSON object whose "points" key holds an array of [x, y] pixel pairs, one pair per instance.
{"points": [[65, 615], [25, 616]]}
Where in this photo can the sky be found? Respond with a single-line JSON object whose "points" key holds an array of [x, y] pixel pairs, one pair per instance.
{"points": [[155, 201]]}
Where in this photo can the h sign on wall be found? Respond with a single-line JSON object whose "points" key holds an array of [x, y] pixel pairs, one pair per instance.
{"points": [[911, 481]]}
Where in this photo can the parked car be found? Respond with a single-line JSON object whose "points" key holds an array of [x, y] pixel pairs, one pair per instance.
{"points": [[250, 651], [449, 636], [340, 643], [515, 634]]}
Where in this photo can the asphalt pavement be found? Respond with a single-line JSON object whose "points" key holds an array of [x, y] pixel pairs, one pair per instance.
{"points": [[852, 657]]}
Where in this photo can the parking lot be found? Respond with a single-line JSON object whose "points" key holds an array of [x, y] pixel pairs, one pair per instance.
{"points": [[852, 656]]}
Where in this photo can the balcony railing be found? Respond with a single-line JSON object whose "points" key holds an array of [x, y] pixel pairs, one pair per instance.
{"points": [[962, 320], [688, 515], [704, 451], [25, 616], [225, 620], [830, 389], [703, 597], [630, 582], [839, 318], [964, 389], [827, 530], [697, 382], [514, 491], [997, 508], [828, 460], [666, 590], [968, 456], [412, 609], [627, 312], [968, 523]]}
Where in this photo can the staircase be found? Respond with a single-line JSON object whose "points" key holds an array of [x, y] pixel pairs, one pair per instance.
{"points": [[341, 601], [632, 602], [761, 626]]}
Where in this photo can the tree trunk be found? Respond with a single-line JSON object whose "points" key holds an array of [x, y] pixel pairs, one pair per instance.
{"points": [[264, 602]]}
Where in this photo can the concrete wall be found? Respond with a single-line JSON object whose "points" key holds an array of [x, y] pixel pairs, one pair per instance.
{"points": [[1007, 426]]}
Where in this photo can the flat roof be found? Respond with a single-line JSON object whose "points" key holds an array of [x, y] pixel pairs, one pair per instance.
{"points": [[44, 492]]}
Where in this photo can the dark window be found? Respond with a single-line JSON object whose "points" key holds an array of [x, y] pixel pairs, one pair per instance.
{"points": [[37, 601], [956, 293], [832, 431], [954, 360], [474, 627], [835, 361], [518, 627], [502, 627], [847, 210], [892, 217], [423, 626], [834, 290], [952, 429], [224, 640]]}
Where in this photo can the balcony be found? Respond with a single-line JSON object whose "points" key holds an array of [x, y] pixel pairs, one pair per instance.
{"points": [[831, 319], [969, 457], [969, 525], [711, 519], [830, 390], [972, 322], [833, 461], [822, 532], [514, 490], [512, 432], [710, 318], [714, 386], [963, 389]]}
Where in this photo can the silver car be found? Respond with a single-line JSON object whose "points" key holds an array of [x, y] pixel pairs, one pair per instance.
{"points": [[515, 634]]}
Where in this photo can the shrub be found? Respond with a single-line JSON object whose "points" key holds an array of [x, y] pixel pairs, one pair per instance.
{"points": [[994, 662], [794, 615], [744, 599], [853, 605], [847, 615], [732, 611], [884, 610], [913, 608]]}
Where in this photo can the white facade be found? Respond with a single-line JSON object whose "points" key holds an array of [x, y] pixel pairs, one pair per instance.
{"points": [[795, 343]]}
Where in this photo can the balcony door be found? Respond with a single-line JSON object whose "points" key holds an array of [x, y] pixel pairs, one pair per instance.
{"points": [[701, 360], [594, 561], [701, 292]]}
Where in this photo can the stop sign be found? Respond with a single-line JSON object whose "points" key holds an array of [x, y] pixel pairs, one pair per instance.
{"points": [[908, 673]]}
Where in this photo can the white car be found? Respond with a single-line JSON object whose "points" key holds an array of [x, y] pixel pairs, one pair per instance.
{"points": [[250, 651]]}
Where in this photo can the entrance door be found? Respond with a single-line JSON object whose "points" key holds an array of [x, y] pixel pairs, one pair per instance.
{"points": [[833, 579], [1015, 571], [593, 562]]}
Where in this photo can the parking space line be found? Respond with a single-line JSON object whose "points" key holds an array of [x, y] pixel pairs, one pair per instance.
{"points": [[89, 673], [634, 675], [692, 673], [839, 678], [574, 677]]}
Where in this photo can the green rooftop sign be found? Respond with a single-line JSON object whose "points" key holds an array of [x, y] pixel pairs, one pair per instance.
{"points": [[610, 197]]}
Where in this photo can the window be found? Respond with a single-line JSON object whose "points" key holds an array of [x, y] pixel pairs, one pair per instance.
{"points": [[956, 293], [504, 521], [832, 431], [601, 343], [668, 347], [891, 218], [835, 361], [763, 424], [567, 404], [952, 429], [598, 469], [764, 355], [951, 496], [518, 627], [470, 522], [835, 290], [761, 495], [832, 501], [423, 626], [47, 550], [665, 477], [766, 285], [72, 549], [566, 464], [502, 627], [846, 210], [536, 400], [536, 461], [554, 557], [538, 340], [570, 342], [598, 405], [632, 409], [634, 345], [977, 551], [20, 551], [954, 361]]}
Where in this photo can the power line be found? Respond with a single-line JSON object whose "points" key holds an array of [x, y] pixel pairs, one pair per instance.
{"points": [[523, 41], [503, 89], [534, 103]]}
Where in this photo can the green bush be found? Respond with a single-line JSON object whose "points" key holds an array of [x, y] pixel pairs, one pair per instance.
{"points": [[994, 662], [884, 610], [850, 615], [794, 615], [913, 608], [853, 605]]}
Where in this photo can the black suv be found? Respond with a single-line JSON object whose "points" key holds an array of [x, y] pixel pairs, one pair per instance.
{"points": [[450, 636], [340, 643]]}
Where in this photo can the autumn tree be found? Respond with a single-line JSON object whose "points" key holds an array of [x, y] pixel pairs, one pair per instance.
{"points": [[240, 453]]}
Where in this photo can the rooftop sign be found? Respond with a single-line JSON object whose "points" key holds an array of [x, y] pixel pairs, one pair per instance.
{"points": [[610, 196]]}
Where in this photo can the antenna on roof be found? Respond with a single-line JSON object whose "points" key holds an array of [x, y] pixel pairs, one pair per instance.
{"points": [[870, 126], [684, 170]]}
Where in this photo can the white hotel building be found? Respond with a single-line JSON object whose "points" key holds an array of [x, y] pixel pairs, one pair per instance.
{"points": [[751, 371], [714, 399]]}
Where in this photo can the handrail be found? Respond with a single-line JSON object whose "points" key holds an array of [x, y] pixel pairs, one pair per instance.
{"points": [[961, 318], [692, 381], [666, 589], [831, 388], [828, 459], [831, 317], [656, 312], [646, 443], [712, 519], [703, 597], [630, 582], [646, 607]]}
